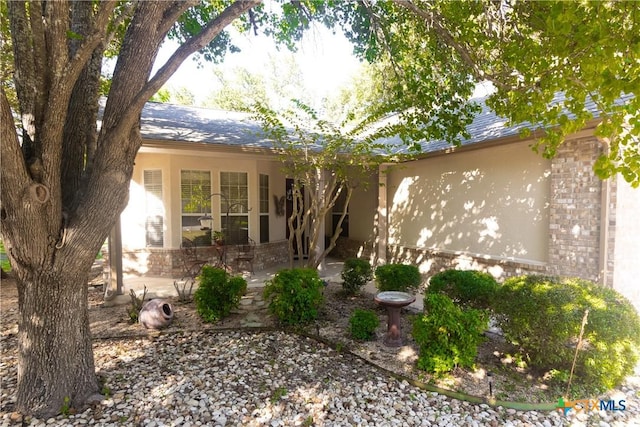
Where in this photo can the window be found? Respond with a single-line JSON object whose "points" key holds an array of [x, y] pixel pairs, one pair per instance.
{"points": [[195, 188], [154, 209], [264, 208], [337, 210], [234, 185]]}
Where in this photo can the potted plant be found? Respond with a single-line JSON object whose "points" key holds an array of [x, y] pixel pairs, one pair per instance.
{"points": [[218, 238]]}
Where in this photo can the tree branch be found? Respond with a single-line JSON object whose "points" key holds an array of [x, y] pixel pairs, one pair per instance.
{"points": [[97, 34], [24, 58], [14, 172], [127, 12], [172, 14], [56, 18], [208, 33], [436, 20], [38, 38]]}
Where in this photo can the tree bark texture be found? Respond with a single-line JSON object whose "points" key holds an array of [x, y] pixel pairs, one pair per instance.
{"points": [[64, 185], [55, 358]]}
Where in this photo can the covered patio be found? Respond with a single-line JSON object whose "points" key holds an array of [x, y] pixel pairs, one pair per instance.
{"points": [[163, 287]]}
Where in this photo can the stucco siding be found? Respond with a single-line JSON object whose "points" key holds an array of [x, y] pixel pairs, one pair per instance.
{"points": [[626, 272], [362, 211], [492, 202]]}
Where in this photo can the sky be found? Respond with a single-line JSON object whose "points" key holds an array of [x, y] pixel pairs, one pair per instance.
{"points": [[325, 59]]}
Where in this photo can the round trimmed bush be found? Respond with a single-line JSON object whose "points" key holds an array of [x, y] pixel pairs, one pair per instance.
{"points": [[356, 273], [447, 335], [295, 295], [543, 316], [218, 293], [363, 324], [469, 288], [398, 277]]}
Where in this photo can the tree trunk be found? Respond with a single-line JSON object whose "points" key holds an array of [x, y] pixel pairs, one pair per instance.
{"points": [[55, 359], [63, 184]]}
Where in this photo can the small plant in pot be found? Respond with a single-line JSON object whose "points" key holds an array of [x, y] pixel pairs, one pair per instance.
{"points": [[398, 277], [218, 238]]}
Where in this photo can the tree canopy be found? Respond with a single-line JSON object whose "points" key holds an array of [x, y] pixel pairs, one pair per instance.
{"points": [[64, 181], [325, 163], [554, 64]]}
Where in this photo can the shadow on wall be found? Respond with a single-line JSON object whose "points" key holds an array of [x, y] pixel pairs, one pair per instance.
{"points": [[492, 211]]}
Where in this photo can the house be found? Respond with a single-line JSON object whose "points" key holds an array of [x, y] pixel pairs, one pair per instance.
{"points": [[490, 204]]}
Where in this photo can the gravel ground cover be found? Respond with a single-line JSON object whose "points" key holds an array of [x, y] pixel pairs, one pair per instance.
{"points": [[252, 377]]}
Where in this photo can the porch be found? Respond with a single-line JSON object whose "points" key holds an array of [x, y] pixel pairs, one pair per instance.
{"points": [[163, 287]]}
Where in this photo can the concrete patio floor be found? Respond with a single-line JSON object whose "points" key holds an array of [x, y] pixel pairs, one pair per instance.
{"points": [[162, 287]]}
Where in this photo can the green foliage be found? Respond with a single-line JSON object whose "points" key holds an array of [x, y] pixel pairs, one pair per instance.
{"points": [[66, 409], [430, 54], [295, 295], [218, 293], [356, 273], [4, 261], [136, 304], [181, 96], [307, 144], [543, 315], [398, 277], [163, 95], [191, 23], [447, 335], [363, 324], [198, 196], [278, 394], [218, 237], [469, 288]]}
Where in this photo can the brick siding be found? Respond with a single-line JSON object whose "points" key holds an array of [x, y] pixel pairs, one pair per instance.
{"points": [[575, 210], [160, 262]]}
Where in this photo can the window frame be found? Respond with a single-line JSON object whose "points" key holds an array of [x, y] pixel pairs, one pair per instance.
{"points": [[234, 185], [200, 208], [263, 191]]}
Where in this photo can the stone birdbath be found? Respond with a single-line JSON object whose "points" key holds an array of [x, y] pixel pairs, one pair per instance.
{"points": [[393, 301]]}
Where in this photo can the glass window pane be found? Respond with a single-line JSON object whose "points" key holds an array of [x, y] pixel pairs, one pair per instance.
{"points": [[264, 228], [195, 188]]}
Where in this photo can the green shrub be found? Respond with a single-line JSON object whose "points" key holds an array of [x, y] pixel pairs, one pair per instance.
{"points": [[469, 288], [398, 277], [447, 335], [543, 315], [355, 274], [218, 293], [295, 295], [363, 324]]}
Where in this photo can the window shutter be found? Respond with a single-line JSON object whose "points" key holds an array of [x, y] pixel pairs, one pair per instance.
{"points": [[154, 224]]}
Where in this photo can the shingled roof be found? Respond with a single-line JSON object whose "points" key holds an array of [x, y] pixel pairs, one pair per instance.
{"points": [[227, 128], [486, 126], [170, 122]]}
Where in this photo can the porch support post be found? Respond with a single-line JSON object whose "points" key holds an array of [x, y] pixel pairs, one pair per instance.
{"points": [[115, 258], [383, 216]]}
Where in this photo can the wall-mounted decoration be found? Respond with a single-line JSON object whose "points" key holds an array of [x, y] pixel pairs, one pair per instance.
{"points": [[279, 204]]}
